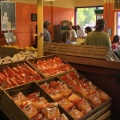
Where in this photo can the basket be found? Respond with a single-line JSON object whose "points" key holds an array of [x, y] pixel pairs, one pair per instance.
{"points": [[85, 116], [15, 112], [45, 58], [15, 64], [86, 80]]}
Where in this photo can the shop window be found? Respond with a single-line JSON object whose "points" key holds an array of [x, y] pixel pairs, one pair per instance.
{"points": [[86, 16]]}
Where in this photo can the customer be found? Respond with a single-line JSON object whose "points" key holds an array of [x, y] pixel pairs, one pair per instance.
{"points": [[80, 32], [88, 29], [66, 37], [98, 37], [73, 32], [115, 42], [47, 37]]}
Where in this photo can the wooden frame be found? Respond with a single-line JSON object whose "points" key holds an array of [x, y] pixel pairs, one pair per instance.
{"points": [[116, 3], [99, 52]]}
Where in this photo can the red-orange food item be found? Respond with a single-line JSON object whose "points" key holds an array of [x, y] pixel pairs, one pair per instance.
{"points": [[76, 114], [33, 95], [62, 117], [56, 96], [83, 106], [84, 92], [94, 99], [74, 98], [38, 116], [18, 98], [50, 110], [65, 91], [103, 96], [54, 84], [39, 102], [66, 104], [28, 108]]}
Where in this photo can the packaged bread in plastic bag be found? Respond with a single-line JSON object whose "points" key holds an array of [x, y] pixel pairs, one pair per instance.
{"points": [[94, 99], [29, 109], [76, 114], [66, 104], [103, 96], [18, 98], [74, 98], [39, 102], [50, 110], [83, 106]]}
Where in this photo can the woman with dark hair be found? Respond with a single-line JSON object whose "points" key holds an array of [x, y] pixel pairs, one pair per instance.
{"points": [[98, 37], [88, 29], [66, 37], [115, 42]]}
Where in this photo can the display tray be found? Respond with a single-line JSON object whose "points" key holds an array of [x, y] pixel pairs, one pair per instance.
{"points": [[81, 77], [100, 114], [46, 58], [6, 51], [15, 112], [95, 110], [4, 66]]}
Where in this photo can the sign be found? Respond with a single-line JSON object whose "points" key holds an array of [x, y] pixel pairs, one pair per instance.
{"points": [[109, 31]]}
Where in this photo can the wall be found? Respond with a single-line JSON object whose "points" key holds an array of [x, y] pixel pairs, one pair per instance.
{"points": [[54, 12], [110, 21], [85, 3]]}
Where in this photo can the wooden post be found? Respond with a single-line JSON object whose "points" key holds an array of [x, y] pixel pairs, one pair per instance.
{"points": [[40, 27]]}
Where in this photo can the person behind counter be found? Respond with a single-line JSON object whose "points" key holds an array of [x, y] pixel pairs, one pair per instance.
{"points": [[80, 32], [98, 37], [46, 25], [115, 42], [66, 37], [72, 31]]}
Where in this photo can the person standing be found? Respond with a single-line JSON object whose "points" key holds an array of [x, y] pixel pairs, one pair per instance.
{"points": [[80, 32], [66, 37], [98, 37], [47, 37], [88, 29], [115, 42], [72, 31]]}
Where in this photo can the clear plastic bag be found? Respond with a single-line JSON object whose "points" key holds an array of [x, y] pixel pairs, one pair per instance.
{"points": [[66, 104], [74, 98], [83, 106], [76, 114], [18, 98], [94, 99], [56, 96], [65, 91], [103, 96]]}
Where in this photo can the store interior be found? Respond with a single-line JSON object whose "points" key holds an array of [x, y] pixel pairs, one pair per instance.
{"points": [[57, 80]]}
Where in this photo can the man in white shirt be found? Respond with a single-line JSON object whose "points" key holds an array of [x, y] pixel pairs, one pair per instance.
{"points": [[80, 32], [73, 32]]}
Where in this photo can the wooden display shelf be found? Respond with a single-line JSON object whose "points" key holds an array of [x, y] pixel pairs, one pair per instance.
{"points": [[95, 110], [46, 58], [98, 52], [7, 51], [105, 116], [104, 74], [13, 111], [99, 115]]}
